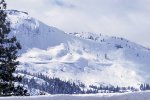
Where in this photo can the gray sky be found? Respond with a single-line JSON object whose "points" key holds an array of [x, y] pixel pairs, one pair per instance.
{"points": [[123, 18]]}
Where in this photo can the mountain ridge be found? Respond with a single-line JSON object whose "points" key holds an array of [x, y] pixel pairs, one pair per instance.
{"points": [[78, 57]]}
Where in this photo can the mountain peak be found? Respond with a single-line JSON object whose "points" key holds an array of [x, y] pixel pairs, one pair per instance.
{"points": [[103, 59]]}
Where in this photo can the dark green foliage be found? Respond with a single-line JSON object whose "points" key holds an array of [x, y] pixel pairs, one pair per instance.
{"points": [[110, 89], [51, 85], [58, 86], [144, 87], [8, 55], [118, 46]]}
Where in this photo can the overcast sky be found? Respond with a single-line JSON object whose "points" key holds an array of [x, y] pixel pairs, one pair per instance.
{"points": [[124, 18]]}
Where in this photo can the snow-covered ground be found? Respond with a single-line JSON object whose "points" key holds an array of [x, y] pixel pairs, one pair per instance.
{"points": [[127, 96], [84, 57]]}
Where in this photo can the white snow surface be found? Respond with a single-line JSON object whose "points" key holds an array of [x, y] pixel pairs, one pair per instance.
{"points": [[80, 57], [127, 96]]}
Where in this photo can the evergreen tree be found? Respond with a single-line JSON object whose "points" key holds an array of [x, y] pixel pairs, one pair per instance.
{"points": [[8, 54]]}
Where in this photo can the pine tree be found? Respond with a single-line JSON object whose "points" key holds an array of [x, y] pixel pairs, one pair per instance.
{"points": [[8, 54]]}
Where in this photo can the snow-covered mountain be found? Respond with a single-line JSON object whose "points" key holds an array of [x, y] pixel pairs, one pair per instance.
{"points": [[79, 57]]}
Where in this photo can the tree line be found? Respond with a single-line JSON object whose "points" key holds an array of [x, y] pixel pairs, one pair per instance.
{"points": [[58, 86]]}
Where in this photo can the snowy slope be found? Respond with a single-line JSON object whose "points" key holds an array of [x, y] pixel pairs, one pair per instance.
{"points": [[84, 57], [128, 96]]}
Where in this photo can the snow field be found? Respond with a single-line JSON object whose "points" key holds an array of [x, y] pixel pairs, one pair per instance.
{"points": [[127, 96]]}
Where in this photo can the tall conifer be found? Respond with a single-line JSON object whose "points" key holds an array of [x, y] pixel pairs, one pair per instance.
{"points": [[9, 47]]}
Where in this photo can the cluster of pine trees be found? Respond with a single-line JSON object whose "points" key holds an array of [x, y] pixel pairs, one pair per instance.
{"points": [[58, 86], [145, 86], [111, 89], [51, 85]]}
